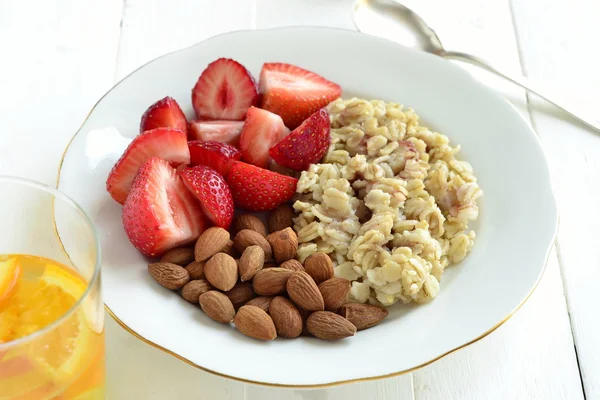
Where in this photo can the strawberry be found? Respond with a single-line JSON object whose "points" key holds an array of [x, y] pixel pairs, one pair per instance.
{"points": [[169, 144], [218, 131], [258, 189], [306, 145], [160, 213], [262, 130], [294, 93], [225, 90], [216, 155], [165, 113], [211, 189]]}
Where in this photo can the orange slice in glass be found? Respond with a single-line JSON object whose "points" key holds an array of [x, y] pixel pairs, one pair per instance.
{"points": [[61, 352], [10, 271]]}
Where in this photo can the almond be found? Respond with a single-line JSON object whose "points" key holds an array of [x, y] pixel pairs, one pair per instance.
{"points": [[221, 271], [192, 290], [284, 244], [195, 269], [228, 249], [303, 291], [240, 294], [286, 317], [217, 306], [247, 237], [282, 217], [319, 266], [212, 241], [363, 316], [171, 276], [329, 326], [335, 292], [271, 281], [248, 221], [262, 302], [179, 255], [255, 322], [292, 265], [251, 262]]}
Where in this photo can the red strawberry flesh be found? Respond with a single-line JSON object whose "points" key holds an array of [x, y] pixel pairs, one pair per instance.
{"points": [[213, 192], [218, 131], [294, 93], [160, 213], [166, 143], [165, 113], [216, 155], [225, 90], [258, 189], [262, 130], [306, 145]]}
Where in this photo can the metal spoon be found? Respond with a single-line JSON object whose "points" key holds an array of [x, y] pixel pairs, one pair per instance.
{"points": [[392, 20]]}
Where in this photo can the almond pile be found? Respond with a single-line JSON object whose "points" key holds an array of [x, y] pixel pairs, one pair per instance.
{"points": [[256, 282]]}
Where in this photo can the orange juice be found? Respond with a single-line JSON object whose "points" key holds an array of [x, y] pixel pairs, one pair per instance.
{"points": [[51, 338]]}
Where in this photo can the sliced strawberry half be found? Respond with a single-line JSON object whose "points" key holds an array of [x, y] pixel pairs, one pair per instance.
{"points": [[258, 189], [306, 145], [165, 113], [294, 93], [166, 143], [262, 130], [225, 90], [160, 213], [218, 131], [213, 192], [216, 155]]}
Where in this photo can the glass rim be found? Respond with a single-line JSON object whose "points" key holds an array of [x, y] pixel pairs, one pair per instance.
{"points": [[96, 273]]}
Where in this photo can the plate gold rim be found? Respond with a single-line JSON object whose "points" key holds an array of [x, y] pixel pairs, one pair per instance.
{"points": [[278, 385]]}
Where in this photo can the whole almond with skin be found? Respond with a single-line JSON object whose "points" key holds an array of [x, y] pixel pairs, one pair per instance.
{"points": [[247, 237], [284, 244], [179, 255], [335, 293], [286, 317], [293, 265], [282, 217], [271, 281], [262, 302], [240, 294], [248, 221], [195, 269], [329, 326], [171, 276], [363, 316], [303, 291], [217, 306], [255, 323], [221, 271], [211, 242], [251, 261], [319, 266], [192, 290]]}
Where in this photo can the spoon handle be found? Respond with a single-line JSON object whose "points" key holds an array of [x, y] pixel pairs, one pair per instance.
{"points": [[588, 119]]}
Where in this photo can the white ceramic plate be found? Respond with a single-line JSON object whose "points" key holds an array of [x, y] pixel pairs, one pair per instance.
{"points": [[515, 231]]}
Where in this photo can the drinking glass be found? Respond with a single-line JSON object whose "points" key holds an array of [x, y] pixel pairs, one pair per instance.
{"points": [[52, 320]]}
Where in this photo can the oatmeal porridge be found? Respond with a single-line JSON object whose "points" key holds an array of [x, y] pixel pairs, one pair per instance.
{"points": [[390, 203]]}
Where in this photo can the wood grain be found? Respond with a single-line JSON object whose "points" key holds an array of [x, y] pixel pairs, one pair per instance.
{"points": [[560, 52]]}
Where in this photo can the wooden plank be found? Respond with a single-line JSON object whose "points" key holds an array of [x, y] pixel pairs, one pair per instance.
{"points": [[558, 50], [58, 60]]}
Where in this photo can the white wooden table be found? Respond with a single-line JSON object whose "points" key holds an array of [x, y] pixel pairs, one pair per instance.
{"points": [[59, 57]]}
